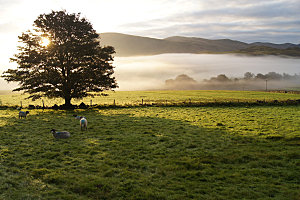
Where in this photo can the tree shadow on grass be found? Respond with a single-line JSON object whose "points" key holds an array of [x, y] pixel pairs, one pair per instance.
{"points": [[123, 156]]}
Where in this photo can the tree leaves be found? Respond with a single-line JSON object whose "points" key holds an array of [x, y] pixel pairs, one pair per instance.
{"points": [[72, 66]]}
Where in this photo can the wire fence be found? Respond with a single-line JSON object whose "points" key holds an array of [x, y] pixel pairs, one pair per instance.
{"points": [[162, 98], [157, 103]]}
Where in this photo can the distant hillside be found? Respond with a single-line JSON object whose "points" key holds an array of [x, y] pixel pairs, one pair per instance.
{"points": [[266, 50], [209, 45], [130, 45], [276, 46]]}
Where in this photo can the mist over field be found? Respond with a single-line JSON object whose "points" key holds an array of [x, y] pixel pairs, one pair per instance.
{"points": [[151, 72]]}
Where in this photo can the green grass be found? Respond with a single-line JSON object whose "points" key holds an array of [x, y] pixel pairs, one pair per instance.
{"points": [[165, 97], [152, 153]]}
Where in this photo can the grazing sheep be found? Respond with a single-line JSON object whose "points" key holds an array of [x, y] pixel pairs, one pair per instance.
{"points": [[83, 123], [23, 114], [78, 117], [61, 134]]}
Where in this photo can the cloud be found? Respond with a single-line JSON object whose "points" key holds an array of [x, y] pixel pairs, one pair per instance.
{"points": [[250, 21]]}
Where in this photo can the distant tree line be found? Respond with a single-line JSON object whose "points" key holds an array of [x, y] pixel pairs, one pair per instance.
{"points": [[250, 81], [251, 76], [182, 78]]}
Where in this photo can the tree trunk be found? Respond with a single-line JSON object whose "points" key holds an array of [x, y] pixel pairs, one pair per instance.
{"points": [[67, 94], [68, 102]]}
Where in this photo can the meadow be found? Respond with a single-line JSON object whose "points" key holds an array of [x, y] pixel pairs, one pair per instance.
{"points": [[154, 152], [167, 97]]}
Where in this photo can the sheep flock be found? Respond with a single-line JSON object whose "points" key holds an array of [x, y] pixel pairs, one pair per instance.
{"points": [[60, 134]]}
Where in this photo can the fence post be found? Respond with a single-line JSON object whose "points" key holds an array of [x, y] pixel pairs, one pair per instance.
{"points": [[142, 101], [43, 104], [91, 102], [114, 102]]}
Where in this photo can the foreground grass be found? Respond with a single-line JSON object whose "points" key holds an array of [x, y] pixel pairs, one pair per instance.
{"points": [[152, 153], [163, 97]]}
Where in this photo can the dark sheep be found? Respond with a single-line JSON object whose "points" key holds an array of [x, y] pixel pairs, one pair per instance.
{"points": [[61, 134]]}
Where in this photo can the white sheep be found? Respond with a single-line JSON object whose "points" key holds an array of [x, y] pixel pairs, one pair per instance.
{"points": [[23, 114], [83, 123], [78, 117], [61, 134]]}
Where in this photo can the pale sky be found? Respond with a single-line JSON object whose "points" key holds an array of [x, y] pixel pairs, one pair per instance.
{"points": [[276, 21]]}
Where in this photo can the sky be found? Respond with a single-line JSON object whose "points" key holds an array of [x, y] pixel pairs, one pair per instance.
{"points": [[276, 21]]}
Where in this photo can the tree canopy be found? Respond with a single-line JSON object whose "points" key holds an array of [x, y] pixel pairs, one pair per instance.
{"points": [[62, 57]]}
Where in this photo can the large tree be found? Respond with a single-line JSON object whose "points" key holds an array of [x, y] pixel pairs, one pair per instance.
{"points": [[62, 57]]}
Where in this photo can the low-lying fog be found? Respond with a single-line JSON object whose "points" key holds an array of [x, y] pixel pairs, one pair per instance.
{"points": [[151, 72]]}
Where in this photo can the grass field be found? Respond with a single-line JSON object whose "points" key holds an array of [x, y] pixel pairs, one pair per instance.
{"points": [[165, 97], [153, 153]]}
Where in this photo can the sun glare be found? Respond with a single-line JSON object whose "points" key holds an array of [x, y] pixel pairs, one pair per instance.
{"points": [[45, 41]]}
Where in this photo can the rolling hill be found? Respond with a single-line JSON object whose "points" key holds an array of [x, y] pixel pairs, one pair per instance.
{"points": [[267, 50], [130, 45]]}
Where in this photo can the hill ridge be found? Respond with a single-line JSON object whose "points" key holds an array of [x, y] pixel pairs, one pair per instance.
{"points": [[132, 45]]}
